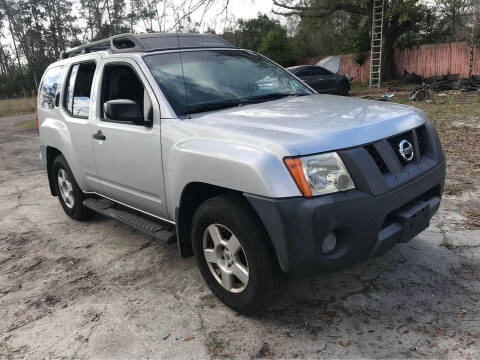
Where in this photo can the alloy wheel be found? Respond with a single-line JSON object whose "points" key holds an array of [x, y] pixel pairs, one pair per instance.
{"points": [[66, 189], [225, 258]]}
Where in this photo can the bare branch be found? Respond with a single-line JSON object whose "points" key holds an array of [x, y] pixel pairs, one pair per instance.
{"points": [[318, 10]]}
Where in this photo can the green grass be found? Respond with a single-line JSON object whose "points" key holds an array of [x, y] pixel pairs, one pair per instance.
{"points": [[29, 124], [11, 107], [359, 85], [445, 106]]}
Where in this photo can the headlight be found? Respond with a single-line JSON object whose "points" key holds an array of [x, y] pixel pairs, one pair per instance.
{"points": [[320, 174]]}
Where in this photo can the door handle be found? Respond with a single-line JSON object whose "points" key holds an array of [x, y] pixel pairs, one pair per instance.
{"points": [[99, 135]]}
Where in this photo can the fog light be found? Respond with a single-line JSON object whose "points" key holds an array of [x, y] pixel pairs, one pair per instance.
{"points": [[329, 243]]}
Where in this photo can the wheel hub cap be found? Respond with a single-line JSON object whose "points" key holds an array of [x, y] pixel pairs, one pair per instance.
{"points": [[225, 258], [66, 189]]}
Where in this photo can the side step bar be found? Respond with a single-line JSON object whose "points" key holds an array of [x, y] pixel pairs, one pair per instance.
{"points": [[105, 207]]}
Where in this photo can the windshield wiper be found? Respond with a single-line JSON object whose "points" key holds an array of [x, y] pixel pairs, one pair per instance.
{"points": [[216, 105], [271, 96]]}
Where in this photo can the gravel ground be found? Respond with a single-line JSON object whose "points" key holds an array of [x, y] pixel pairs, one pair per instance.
{"points": [[98, 289]]}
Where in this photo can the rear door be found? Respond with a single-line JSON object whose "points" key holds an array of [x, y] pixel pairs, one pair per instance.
{"points": [[324, 78], [76, 107], [129, 158]]}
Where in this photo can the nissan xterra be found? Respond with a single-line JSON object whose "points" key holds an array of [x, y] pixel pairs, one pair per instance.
{"points": [[192, 140]]}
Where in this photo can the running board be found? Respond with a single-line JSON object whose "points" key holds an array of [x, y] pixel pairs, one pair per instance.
{"points": [[109, 209]]}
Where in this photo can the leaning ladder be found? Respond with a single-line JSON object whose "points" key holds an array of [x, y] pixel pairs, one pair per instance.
{"points": [[377, 44]]}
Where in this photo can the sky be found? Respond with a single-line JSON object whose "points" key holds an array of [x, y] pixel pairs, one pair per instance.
{"points": [[249, 8], [237, 9]]}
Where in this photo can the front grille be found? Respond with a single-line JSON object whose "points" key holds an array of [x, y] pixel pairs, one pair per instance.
{"points": [[377, 158], [395, 141], [422, 139], [413, 136]]}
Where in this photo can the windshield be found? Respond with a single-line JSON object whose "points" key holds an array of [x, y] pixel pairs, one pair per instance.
{"points": [[197, 81]]}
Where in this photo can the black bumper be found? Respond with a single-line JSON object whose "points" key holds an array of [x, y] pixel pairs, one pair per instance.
{"points": [[365, 225]]}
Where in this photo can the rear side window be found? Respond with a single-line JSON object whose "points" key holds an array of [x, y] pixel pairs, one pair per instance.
{"points": [[305, 72], [321, 71], [79, 87], [49, 87]]}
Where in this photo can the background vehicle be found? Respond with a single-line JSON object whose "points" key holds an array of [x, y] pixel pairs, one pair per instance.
{"points": [[322, 80], [191, 140]]}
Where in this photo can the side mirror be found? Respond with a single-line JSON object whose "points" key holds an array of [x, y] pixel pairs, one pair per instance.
{"points": [[123, 110]]}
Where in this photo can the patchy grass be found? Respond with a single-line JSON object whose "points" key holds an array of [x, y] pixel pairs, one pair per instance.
{"points": [[10, 107], [27, 125], [473, 218], [452, 189], [457, 119], [359, 85], [403, 101]]}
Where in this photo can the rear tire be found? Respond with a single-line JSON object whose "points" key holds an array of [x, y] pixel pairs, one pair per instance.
{"points": [[261, 280], [68, 192]]}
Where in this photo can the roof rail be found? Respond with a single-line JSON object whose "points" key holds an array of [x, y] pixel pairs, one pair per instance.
{"points": [[125, 43]]}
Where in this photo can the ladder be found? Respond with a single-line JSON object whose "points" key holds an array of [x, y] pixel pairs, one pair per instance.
{"points": [[377, 44]]}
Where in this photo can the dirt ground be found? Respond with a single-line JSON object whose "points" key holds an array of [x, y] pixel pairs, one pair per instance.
{"points": [[98, 289]]}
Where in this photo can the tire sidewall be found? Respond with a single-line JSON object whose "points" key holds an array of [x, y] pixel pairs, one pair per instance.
{"points": [[208, 215], [343, 88], [75, 211]]}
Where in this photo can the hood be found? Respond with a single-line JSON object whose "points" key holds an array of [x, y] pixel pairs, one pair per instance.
{"points": [[315, 123]]}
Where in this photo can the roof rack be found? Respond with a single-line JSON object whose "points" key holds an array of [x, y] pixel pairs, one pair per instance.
{"points": [[125, 43]]}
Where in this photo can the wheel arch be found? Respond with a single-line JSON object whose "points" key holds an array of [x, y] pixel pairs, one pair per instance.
{"points": [[193, 195], [52, 153]]}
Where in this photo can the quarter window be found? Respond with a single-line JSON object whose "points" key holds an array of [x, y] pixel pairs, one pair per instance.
{"points": [[321, 71], [49, 87], [306, 72], [77, 94]]}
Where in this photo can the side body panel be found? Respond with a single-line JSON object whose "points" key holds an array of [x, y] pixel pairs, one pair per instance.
{"points": [[321, 83], [194, 154]]}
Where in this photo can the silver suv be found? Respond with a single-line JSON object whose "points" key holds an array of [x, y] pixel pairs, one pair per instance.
{"points": [[192, 140]]}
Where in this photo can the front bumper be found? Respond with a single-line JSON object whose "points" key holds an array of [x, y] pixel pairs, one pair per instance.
{"points": [[365, 225]]}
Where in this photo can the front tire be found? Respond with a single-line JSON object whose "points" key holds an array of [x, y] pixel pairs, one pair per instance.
{"points": [[234, 254], [343, 88], [68, 192]]}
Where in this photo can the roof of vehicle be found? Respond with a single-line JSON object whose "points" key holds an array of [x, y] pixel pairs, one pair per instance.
{"points": [[128, 43], [297, 68]]}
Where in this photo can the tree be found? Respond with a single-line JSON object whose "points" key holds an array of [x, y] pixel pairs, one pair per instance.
{"points": [[455, 16], [401, 17], [249, 34], [276, 46]]}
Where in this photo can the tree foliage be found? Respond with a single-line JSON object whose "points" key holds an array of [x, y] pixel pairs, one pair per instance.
{"points": [[276, 46], [347, 23]]}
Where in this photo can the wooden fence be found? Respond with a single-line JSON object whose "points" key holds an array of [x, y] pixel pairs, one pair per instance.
{"points": [[425, 60]]}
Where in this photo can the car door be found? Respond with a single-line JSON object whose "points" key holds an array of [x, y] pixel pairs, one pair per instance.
{"points": [[76, 108], [325, 79], [316, 78], [306, 74], [128, 155]]}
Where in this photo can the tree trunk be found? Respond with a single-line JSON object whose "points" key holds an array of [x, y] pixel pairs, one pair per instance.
{"points": [[12, 33], [388, 61]]}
